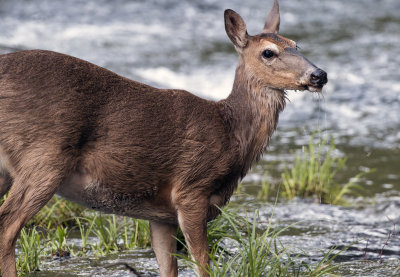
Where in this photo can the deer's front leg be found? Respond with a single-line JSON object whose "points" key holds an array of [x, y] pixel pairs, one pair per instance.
{"points": [[192, 218], [163, 240]]}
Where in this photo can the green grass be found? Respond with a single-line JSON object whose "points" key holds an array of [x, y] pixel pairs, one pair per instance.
{"points": [[57, 212], [57, 241], [59, 218], [238, 245], [85, 231], [314, 175], [31, 250], [246, 250]]}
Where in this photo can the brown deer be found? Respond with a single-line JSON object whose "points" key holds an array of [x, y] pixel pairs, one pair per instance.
{"points": [[118, 146]]}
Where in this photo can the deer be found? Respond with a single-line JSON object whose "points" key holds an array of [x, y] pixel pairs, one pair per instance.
{"points": [[71, 128]]}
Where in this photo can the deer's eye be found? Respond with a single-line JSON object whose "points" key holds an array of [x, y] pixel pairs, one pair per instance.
{"points": [[267, 54]]}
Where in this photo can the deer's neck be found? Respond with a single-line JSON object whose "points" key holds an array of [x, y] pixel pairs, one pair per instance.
{"points": [[251, 111]]}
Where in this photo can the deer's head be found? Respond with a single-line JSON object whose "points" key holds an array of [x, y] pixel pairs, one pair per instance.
{"points": [[271, 59]]}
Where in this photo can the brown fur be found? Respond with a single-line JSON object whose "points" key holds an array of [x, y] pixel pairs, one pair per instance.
{"points": [[119, 146]]}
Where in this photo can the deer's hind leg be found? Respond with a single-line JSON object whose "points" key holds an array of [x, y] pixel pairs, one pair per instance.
{"points": [[32, 188], [164, 245]]}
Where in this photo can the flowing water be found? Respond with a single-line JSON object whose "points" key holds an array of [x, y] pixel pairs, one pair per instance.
{"points": [[182, 44]]}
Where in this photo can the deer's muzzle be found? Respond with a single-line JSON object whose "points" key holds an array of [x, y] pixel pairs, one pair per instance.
{"points": [[319, 78]]}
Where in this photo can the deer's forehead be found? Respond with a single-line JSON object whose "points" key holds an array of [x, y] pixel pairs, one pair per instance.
{"points": [[274, 40]]}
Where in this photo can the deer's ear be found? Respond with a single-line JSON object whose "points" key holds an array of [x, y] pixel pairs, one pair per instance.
{"points": [[236, 29], [273, 20]]}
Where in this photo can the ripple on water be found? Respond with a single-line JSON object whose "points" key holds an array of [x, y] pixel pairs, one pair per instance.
{"points": [[371, 230]]}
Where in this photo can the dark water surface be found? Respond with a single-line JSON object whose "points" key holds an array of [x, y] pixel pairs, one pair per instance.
{"points": [[182, 44]]}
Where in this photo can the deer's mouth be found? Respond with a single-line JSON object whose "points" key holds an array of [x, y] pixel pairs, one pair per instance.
{"points": [[313, 88], [314, 81]]}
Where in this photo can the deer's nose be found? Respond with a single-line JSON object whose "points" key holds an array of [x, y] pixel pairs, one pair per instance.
{"points": [[319, 77]]}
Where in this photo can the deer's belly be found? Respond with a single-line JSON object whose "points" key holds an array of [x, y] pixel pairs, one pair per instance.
{"points": [[81, 188]]}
